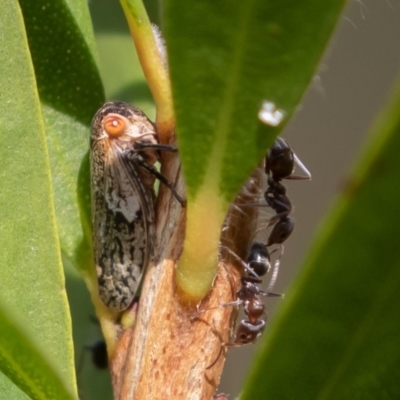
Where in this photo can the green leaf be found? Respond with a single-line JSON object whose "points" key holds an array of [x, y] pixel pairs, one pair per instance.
{"points": [[64, 56], [338, 330], [21, 361], [31, 279], [63, 51], [226, 58], [67, 141]]}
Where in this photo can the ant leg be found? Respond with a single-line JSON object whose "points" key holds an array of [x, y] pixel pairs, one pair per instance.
{"points": [[298, 178], [223, 346], [234, 255], [274, 277], [245, 266], [230, 304]]}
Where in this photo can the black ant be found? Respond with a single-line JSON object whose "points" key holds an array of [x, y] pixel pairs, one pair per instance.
{"points": [[250, 297], [280, 164]]}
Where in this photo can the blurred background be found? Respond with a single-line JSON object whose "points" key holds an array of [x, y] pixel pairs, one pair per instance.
{"points": [[331, 125]]}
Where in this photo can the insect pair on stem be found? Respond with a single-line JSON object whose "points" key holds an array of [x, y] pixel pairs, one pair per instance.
{"points": [[124, 148]]}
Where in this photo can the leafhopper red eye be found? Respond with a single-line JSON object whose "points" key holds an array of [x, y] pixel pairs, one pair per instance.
{"points": [[114, 125]]}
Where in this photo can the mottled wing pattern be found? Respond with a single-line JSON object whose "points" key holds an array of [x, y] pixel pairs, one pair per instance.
{"points": [[123, 212]]}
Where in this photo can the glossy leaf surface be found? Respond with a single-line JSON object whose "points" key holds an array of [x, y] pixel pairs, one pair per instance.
{"points": [[63, 52], [225, 59], [32, 279]]}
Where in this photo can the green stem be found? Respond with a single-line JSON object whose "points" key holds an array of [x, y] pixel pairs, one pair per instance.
{"points": [[151, 61]]}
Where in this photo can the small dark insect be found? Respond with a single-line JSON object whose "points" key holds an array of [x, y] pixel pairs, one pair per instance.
{"points": [[257, 265], [123, 150], [280, 164], [98, 351], [99, 354], [249, 296]]}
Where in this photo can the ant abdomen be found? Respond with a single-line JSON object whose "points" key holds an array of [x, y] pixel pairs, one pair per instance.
{"points": [[258, 259], [281, 231]]}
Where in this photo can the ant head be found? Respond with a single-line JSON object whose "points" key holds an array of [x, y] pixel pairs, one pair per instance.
{"points": [[280, 160], [248, 332]]}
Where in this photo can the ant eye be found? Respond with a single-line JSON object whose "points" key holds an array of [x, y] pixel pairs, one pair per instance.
{"points": [[114, 125]]}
